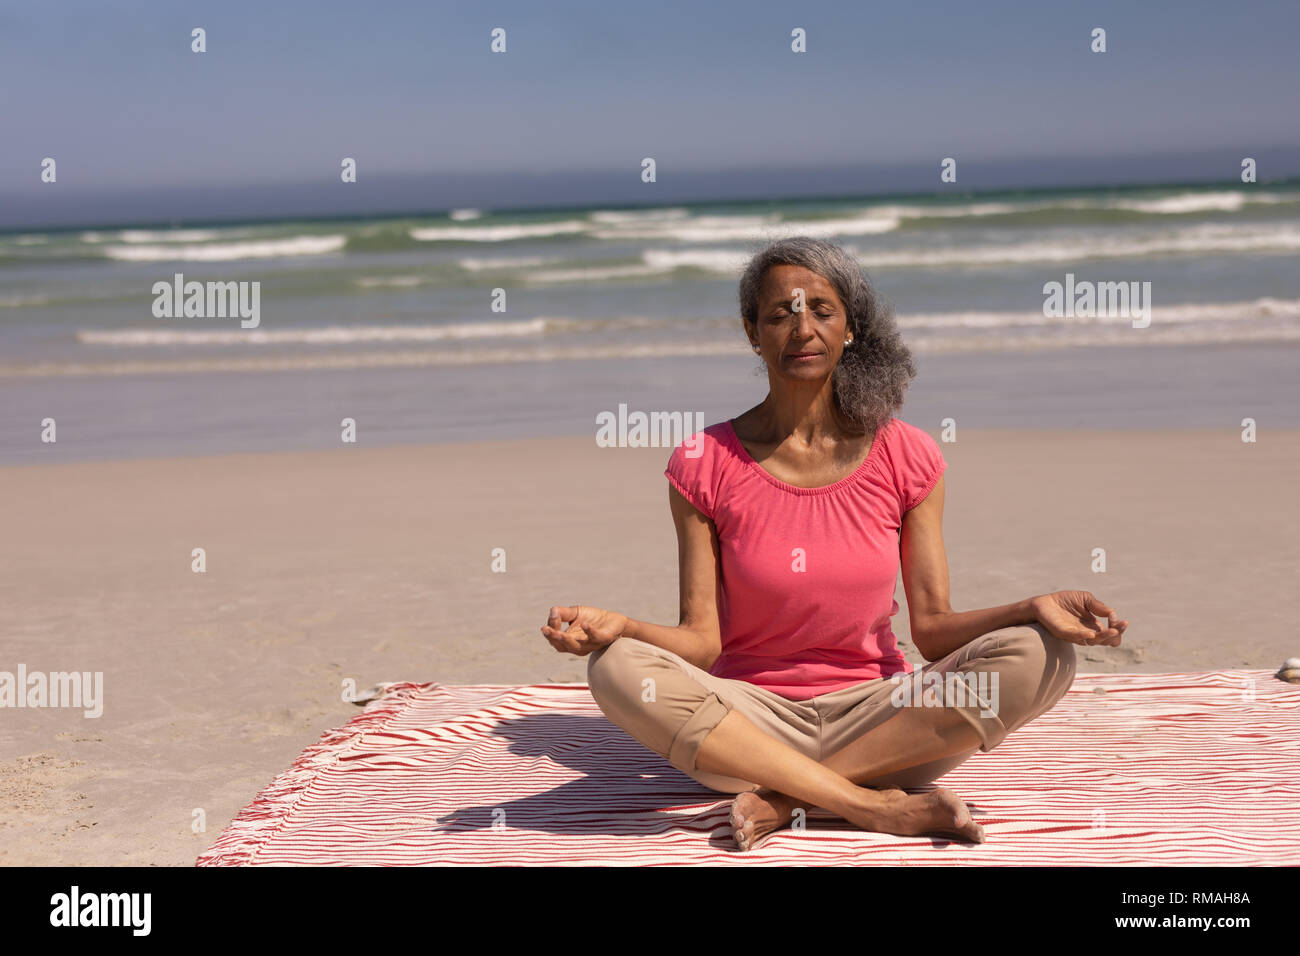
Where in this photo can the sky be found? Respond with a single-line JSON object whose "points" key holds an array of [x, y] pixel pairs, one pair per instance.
{"points": [[138, 123]]}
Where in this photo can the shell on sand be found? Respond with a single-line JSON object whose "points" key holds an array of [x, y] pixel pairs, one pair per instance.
{"points": [[1289, 674], [374, 693]]}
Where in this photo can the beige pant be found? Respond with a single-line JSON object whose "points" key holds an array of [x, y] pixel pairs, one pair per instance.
{"points": [[997, 682]]}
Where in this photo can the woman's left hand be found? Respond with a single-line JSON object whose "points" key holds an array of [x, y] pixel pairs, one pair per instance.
{"points": [[1069, 616], [589, 628]]}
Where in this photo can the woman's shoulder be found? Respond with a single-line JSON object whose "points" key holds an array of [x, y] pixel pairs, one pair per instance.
{"points": [[904, 435], [709, 445], [914, 458], [697, 465]]}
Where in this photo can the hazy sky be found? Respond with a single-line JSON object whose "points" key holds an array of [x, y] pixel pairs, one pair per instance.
{"points": [[286, 89]]}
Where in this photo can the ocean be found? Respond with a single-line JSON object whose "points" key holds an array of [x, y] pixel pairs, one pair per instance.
{"points": [[391, 320]]}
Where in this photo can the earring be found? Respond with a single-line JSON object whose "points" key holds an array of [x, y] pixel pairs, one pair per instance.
{"points": [[848, 341], [756, 348]]}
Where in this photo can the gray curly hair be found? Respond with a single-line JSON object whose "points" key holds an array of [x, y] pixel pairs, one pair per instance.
{"points": [[876, 368]]}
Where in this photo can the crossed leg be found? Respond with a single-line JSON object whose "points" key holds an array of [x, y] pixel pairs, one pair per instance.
{"points": [[790, 780], [1029, 671], [885, 747]]}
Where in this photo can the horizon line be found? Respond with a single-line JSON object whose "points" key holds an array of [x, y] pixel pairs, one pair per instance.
{"points": [[614, 205]]}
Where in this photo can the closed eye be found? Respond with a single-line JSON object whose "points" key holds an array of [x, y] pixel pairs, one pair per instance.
{"points": [[785, 313]]}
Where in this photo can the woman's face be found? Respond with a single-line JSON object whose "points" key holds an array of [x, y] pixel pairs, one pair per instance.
{"points": [[804, 344]]}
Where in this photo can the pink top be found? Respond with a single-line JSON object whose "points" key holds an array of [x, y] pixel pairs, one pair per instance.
{"points": [[807, 578]]}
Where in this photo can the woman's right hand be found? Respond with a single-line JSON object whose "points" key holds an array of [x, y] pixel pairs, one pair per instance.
{"points": [[1068, 615], [589, 628]]}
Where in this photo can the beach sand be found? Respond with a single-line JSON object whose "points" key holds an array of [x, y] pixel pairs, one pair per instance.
{"points": [[376, 564]]}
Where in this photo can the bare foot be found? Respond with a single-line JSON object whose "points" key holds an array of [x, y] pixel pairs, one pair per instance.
{"points": [[757, 813], [939, 812]]}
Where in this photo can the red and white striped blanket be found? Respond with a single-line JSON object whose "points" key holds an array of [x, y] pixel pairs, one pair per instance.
{"points": [[1128, 769]]}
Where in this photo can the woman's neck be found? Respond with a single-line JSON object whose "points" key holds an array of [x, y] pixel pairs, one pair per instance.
{"points": [[807, 414]]}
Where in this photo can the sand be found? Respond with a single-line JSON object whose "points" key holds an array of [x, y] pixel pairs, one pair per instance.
{"points": [[376, 564]]}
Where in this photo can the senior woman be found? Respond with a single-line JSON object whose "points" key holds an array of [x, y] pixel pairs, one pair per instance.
{"points": [[783, 682]]}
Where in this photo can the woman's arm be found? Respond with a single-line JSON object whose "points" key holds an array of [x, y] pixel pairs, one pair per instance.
{"points": [[698, 638], [938, 630]]}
